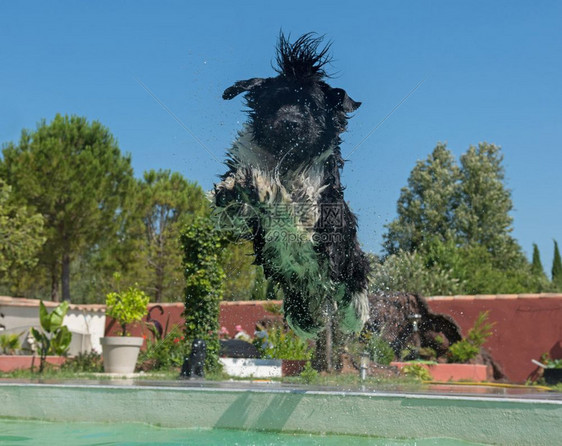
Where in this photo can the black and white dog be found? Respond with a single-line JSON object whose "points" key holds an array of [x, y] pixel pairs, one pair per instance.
{"points": [[284, 177]]}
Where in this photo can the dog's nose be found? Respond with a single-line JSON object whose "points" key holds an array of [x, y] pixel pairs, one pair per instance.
{"points": [[289, 117], [289, 124]]}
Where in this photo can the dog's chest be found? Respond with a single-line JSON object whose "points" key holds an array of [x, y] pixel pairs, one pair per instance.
{"points": [[303, 179], [296, 188]]}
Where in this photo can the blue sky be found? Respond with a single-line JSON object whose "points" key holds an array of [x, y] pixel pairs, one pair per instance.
{"points": [[492, 72]]}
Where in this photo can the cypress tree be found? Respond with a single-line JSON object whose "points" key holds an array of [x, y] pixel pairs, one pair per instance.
{"points": [[536, 266], [557, 268]]}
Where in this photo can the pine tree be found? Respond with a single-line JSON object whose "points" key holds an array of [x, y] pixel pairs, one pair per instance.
{"points": [[165, 203], [21, 235], [557, 268], [72, 172]]}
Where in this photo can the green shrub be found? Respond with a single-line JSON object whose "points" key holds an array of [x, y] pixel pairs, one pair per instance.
{"points": [[481, 330], [407, 272], [462, 351], [379, 350], [309, 375], [90, 362], [9, 343], [54, 338], [427, 353], [202, 247], [551, 363], [467, 349], [417, 371], [409, 352], [164, 353], [284, 344]]}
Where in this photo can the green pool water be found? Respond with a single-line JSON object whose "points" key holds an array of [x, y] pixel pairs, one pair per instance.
{"points": [[23, 432]]}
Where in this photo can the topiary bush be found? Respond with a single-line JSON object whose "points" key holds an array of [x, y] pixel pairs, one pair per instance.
{"points": [[202, 246]]}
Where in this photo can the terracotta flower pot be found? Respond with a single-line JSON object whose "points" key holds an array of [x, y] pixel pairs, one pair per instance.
{"points": [[454, 372], [292, 367], [120, 353]]}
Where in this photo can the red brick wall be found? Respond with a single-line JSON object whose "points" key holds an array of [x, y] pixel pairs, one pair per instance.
{"points": [[526, 325]]}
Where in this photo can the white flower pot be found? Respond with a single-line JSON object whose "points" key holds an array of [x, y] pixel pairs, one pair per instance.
{"points": [[120, 353]]}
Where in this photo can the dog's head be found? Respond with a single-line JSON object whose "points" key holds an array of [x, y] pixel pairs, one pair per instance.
{"points": [[296, 111]]}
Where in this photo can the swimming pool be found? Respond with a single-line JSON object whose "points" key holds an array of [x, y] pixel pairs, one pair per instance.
{"points": [[209, 409], [24, 433]]}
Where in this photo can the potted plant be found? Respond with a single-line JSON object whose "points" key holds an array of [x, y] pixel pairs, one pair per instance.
{"points": [[120, 353]]}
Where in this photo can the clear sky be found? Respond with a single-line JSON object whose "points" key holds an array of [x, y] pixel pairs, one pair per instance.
{"points": [[492, 71]]}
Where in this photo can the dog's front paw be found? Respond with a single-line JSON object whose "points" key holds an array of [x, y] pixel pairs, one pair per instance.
{"points": [[225, 192]]}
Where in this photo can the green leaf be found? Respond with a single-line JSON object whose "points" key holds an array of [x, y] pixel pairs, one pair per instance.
{"points": [[127, 307], [44, 317], [57, 316], [37, 335], [61, 341], [43, 342]]}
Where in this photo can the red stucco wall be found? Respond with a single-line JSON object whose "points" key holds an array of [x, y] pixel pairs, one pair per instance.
{"points": [[231, 314], [526, 325]]}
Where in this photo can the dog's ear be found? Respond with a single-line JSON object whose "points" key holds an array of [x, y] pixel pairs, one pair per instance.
{"points": [[339, 99], [242, 86]]}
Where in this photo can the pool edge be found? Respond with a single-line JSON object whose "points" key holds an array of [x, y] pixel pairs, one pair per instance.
{"points": [[485, 419]]}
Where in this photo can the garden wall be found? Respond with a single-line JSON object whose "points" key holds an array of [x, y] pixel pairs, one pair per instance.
{"points": [[526, 325]]}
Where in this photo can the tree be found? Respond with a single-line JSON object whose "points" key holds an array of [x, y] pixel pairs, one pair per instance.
{"points": [[476, 270], [149, 250], [72, 173], [557, 268], [241, 273], [166, 202], [426, 206], [408, 272], [536, 264], [21, 235], [455, 222], [482, 217]]}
